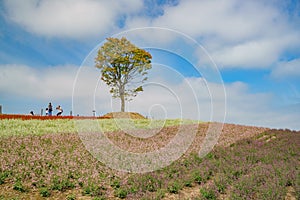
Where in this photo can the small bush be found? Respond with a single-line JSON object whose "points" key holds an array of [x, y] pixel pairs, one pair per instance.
{"points": [[19, 187], [210, 155], [188, 183], [208, 194], [61, 185], [197, 177], [133, 189], [221, 183], [174, 187], [93, 190], [81, 184], [3, 176], [149, 183], [44, 192], [221, 187], [71, 197], [115, 184], [160, 194], [121, 193]]}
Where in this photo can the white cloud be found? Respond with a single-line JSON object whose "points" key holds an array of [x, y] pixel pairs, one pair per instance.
{"points": [[289, 69], [250, 54], [229, 20], [251, 34], [243, 107], [261, 52], [56, 84], [27, 82], [69, 18]]}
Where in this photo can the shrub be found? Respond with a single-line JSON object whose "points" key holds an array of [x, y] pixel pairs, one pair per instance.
{"points": [[61, 185], [197, 177], [149, 183], [44, 192], [121, 193], [208, 194], [160, 194], [115, 183], [221, 183], [71, 197], [188, 183], [3, 176], [174, 187], [93, 190], [19, 187]]}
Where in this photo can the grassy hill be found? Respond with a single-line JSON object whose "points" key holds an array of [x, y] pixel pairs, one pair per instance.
{"points": [[247, 163]]}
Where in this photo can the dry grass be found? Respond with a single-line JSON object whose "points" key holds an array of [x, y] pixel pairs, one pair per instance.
{"points": [[131, 115]]}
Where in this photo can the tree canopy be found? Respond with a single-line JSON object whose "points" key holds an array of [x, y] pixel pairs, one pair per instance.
{"points": [[123, 67]]}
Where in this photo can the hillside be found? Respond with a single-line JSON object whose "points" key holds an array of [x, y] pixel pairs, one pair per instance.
{"points": [[247, 163]]}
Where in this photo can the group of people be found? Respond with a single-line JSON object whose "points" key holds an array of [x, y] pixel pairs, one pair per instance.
{"points": [[49, 110]]}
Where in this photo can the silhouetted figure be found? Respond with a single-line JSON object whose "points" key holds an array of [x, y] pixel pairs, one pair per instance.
{"points": [[50, 109], [31, 112]]}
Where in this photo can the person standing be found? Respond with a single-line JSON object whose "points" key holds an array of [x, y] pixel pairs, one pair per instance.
{"points": [[50, 109]]}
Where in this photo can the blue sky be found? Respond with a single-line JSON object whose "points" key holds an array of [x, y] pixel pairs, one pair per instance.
{"points": [[255, 45]]}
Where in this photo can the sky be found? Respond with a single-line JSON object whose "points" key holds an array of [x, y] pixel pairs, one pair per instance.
{"points": [[213, 60]]}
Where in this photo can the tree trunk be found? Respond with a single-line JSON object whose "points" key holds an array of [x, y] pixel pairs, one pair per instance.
{"points": [[122, 103], [122, 97]]}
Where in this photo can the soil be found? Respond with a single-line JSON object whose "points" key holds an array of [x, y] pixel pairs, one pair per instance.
{"points": [[131, 115]]}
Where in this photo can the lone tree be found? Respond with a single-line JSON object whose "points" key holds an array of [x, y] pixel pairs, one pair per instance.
{"points": [[123, 67]]}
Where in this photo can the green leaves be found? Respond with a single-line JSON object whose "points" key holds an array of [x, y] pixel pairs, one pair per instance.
{"points": [[139, 89], [122, 64]]}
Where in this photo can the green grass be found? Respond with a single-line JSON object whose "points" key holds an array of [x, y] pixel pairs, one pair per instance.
{"points": [[18, 127]]}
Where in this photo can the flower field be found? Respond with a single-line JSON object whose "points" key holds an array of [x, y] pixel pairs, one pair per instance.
{"points": [[30, 117], [45, 159]]}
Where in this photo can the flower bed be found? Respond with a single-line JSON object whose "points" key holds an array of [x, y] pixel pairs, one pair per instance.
{"points": [[58, 165], [29, 117]]}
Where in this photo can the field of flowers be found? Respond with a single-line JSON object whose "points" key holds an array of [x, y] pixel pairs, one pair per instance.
{"points": [[30, 117], [46, 159]]}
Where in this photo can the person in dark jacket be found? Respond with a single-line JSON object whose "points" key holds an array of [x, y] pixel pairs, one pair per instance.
{"points": [[50, 109]]}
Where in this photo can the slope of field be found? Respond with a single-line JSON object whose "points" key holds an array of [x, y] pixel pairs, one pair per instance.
{"points": [[247, 163]]}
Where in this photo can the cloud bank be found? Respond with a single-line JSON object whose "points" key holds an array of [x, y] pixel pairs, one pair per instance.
{"points": [[251, 34], [75, 19]]}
